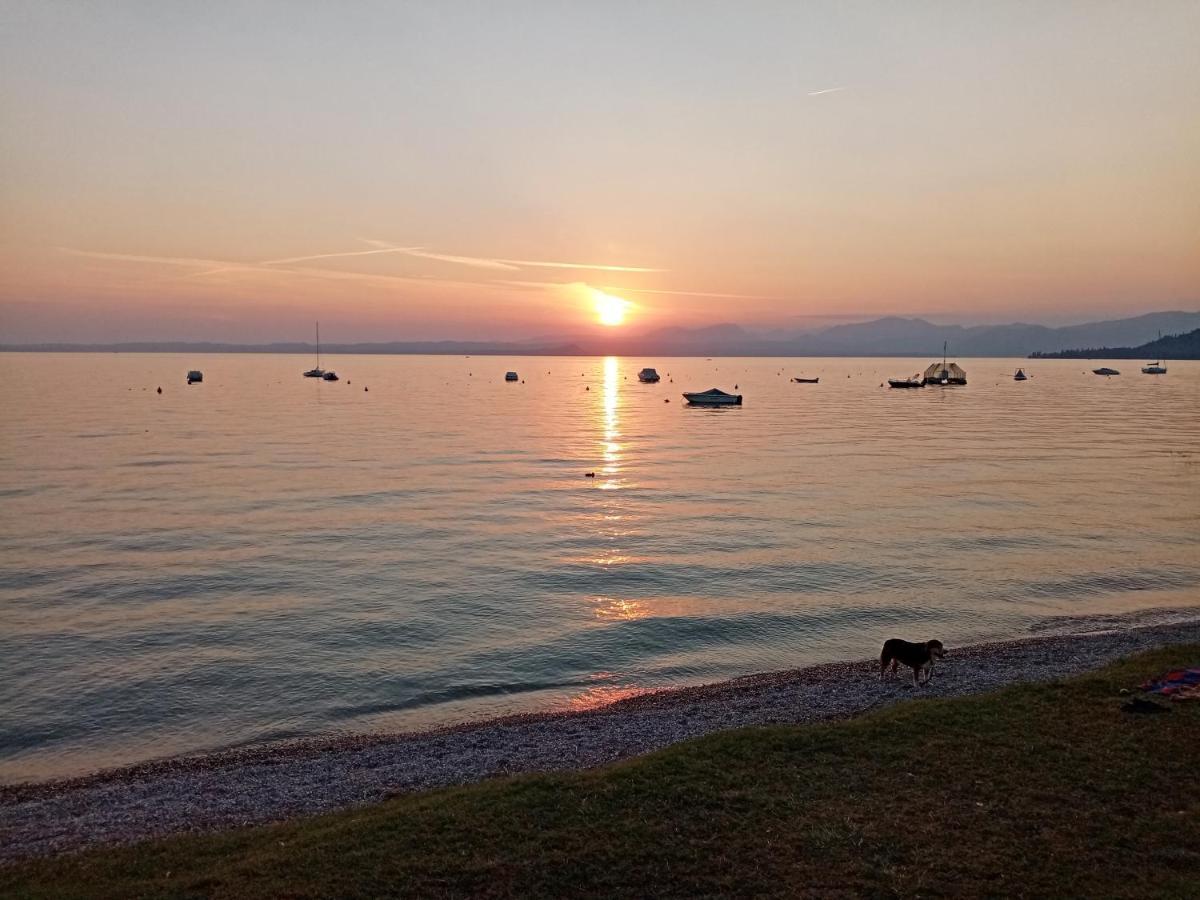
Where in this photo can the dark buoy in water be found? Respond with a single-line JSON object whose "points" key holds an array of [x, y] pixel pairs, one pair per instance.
{"points": [[735, 387], [589, 474], [160, 390], [365, 390], [666, 399], [587, 388]]}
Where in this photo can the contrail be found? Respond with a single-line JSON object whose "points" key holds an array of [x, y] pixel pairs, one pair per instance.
{"points": [[295, 259], [487, 262], [826, 91]]}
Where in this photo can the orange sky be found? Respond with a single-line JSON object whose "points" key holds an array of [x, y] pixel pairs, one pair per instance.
{"points": [[469, 170]]}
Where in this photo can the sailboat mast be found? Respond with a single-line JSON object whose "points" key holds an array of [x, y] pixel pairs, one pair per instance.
{"points": [[318, 345]]}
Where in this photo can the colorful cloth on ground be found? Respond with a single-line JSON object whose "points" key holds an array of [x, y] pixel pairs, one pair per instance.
{"points": [[1178, 684]]}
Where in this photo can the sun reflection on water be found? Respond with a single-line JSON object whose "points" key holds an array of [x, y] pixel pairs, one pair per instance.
{"points": [[613, 609], [611, 447]]}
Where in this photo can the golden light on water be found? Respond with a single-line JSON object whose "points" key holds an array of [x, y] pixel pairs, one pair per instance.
{"points": [[610, 309]]}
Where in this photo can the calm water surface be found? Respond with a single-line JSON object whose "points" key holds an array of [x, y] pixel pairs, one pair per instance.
{"points": [[266, 556]]}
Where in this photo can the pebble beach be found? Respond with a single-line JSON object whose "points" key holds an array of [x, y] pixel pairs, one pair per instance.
{"points": [[269, 783]]}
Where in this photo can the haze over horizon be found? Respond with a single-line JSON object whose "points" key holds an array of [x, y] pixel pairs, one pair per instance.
{"points": [[467, 171]]}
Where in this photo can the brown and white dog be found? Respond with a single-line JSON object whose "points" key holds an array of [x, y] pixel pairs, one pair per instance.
{"points": [[920, 657]]}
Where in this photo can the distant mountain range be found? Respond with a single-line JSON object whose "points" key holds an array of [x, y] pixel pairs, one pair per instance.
{"points": [[890, 336], [1175, 346]]}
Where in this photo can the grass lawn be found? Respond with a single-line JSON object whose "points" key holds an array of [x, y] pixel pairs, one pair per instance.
{"points": [[1042, 791]]}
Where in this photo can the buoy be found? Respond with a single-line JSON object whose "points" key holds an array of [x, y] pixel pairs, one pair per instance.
{"points": [[160, 390], [587, 388], [666, 400], [364, 390], [589, 474]]}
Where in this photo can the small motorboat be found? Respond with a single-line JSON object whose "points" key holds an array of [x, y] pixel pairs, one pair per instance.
{"points": [[195, 376], [1020, 376], [511, 376], [713, 397], [915, 382], [648, 376], [806, 380], [1105, 370], [1154, 368], [330, 376]]}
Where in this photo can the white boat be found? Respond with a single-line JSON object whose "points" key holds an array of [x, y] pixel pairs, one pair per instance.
{"points": [[316, 371], [648, 376], [1156, 367], [195, 376], [713, 397], [1020, 376], [330, 376], [511, 376]]}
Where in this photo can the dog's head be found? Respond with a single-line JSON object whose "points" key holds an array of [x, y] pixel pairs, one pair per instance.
{"points": [[936, 650]]}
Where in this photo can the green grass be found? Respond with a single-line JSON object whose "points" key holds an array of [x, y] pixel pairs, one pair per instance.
{"points": [[1040, 791]]}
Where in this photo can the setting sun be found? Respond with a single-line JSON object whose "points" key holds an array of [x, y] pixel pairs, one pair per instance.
{"points": [[610, 309]]}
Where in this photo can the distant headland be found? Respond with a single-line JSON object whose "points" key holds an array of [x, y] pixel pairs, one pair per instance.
{"points": [[1173, 346], [889, 336]]}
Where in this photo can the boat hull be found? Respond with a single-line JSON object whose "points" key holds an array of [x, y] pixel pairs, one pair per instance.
{"points": [[713, 400], [807, 380], [897, 383]]}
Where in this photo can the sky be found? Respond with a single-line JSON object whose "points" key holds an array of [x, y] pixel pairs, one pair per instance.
{"points": [[410, 171]]}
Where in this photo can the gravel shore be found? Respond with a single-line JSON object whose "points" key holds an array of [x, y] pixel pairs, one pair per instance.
{"points": [[264, 784]]}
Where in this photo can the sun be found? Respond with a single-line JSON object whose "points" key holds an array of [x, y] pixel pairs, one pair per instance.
{"points": [[610, 309]]}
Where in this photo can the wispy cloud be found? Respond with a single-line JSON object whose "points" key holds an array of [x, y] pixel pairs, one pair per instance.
{"points": [[619, 290], [213, 266], [296, 259], [827, 91], [488, 262], [160, 260], [616, 289]]}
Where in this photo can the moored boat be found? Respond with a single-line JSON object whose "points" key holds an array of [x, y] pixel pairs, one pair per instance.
{"points": [[316, 371], [510, 376], [195, 376], [914, 382], [330, 376], [713, 397], [1020, 376], [1154, 368], [806, 380], [1105, 370], [944, 373], [648, 376]]}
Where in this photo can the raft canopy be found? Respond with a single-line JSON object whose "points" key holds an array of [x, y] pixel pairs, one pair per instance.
{"points": [[948, 371]]}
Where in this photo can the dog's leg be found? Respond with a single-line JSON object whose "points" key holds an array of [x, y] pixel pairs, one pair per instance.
{"points": [[916, 670]]}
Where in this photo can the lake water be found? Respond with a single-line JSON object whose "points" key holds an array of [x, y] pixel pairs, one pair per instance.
{"points": [[265, 556]]}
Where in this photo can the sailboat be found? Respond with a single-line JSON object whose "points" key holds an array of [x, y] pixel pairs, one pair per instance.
{"points": [[1156, 367], [317, 371]]}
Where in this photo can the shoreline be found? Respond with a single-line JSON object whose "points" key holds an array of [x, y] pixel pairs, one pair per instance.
{"points": [[259, 784]]}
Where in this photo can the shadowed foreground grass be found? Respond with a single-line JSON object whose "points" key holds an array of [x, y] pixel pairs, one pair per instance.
{"points": [[1046, 790]]}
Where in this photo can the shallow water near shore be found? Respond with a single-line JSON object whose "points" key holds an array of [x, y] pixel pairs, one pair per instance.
{"points": [[264, 556]]}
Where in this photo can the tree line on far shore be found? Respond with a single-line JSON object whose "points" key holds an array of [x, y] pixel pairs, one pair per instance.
{"points": [[1173, 346]]}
